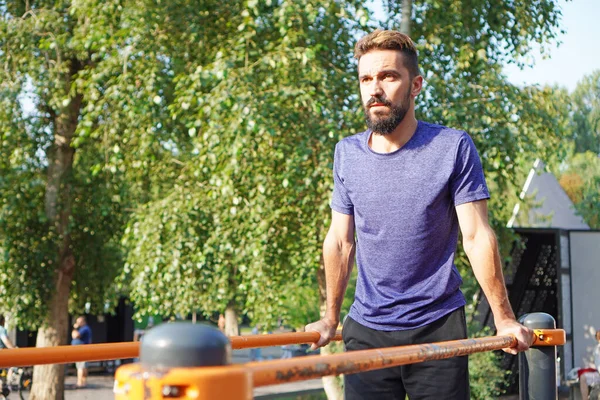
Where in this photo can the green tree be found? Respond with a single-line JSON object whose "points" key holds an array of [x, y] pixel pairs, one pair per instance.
{"points": [[262, 109], [586, 114], [212, 125], [262, 114], [81, 136], [580, 179]]}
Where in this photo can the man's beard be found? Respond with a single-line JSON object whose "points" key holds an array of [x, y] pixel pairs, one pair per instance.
{"points": [[385, 125]]}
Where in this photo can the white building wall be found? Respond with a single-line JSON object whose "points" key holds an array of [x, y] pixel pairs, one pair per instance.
{"points": [[585, 294]]}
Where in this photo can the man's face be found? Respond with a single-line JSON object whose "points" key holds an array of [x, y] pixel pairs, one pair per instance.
{"points": [[80, 321], [386, 89]]}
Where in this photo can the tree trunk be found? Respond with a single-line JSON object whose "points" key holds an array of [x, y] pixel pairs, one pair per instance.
{"points": [[231, 322], [406, 17], [331, 384], [48, 380]]}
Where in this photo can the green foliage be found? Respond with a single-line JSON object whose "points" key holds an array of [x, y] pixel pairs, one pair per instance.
{"points": [[205, 137], [259, 111], [581, 180], [299, 302], [462, 47], [59, 65], [579, 174], [486, 377], [586, 114]]}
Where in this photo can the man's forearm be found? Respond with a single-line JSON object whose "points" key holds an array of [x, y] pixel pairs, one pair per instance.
{"points": [[482, 251], [338, 258]]}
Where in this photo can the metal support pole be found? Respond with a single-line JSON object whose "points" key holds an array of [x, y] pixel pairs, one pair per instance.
{"points": [[184, 361], [537, 366]]}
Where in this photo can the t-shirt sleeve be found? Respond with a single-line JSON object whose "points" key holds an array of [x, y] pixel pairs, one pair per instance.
{"points": [[468, 182], [340, 200], [85, 335], [3, 333]]}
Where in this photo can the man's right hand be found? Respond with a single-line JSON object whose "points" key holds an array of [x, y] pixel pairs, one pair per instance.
{"points": [[326, 328]]}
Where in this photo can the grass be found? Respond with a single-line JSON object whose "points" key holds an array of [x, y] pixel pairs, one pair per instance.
{"points": [[312, 395]]}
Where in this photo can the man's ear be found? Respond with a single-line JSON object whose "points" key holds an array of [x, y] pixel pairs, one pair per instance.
{"points": [[416, 86]]}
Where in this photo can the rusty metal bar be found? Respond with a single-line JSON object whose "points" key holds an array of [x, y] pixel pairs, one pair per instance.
{"points": [[282, 371], [266, 373]]}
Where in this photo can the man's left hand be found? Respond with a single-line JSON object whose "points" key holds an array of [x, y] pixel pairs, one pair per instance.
{"points": [[524, 335]]}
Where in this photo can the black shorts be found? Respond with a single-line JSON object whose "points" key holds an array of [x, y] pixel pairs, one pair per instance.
{"points": [[439, 379]]}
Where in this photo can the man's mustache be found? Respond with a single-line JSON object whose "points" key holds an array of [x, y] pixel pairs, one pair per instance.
{"points": [[378, 100]]}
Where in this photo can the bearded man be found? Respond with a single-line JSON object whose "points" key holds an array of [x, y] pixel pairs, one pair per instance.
{"points": [[402, 190]]}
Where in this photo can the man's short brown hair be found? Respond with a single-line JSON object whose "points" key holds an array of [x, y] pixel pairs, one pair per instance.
{"points": [[390, 40]]}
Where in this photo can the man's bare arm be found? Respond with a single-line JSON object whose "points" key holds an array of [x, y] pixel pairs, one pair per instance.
{"points": [[481, 247], [338, 257]]}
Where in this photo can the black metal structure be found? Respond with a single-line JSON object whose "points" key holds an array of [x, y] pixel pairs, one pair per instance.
{"points": [[115, 327], [532, 281]]}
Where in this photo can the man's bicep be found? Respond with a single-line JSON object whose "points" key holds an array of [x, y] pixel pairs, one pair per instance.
{"points": [[342, 227], [472, 217]]}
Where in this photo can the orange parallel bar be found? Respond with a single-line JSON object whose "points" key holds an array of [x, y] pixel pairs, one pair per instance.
{"points": [[112, 351], [24, 357], [549, 337], [277, 339]]}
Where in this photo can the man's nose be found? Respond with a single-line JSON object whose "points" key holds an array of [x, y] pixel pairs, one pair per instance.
{"points": [[376, 89]]}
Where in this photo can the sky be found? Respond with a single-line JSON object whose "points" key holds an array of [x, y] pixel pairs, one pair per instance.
{"points": [[577, 56], [567, 63]]}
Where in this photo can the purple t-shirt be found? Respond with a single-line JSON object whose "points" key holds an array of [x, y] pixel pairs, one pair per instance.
{"points": [[406, 225]]}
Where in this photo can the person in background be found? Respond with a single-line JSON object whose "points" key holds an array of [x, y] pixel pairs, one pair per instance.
{"points": [[256, 353], [597, 352], [138, 333], [592, 379], [589, 376], [81, 334], [221, 323], [5, 343], [588, 379], [287, 351]]}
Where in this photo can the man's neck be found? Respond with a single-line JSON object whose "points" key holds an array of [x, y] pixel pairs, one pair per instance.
{"points": [[398, 138]]}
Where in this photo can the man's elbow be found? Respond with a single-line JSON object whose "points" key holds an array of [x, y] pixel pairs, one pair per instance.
{"points": [[480, 239], [337, 244]]}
